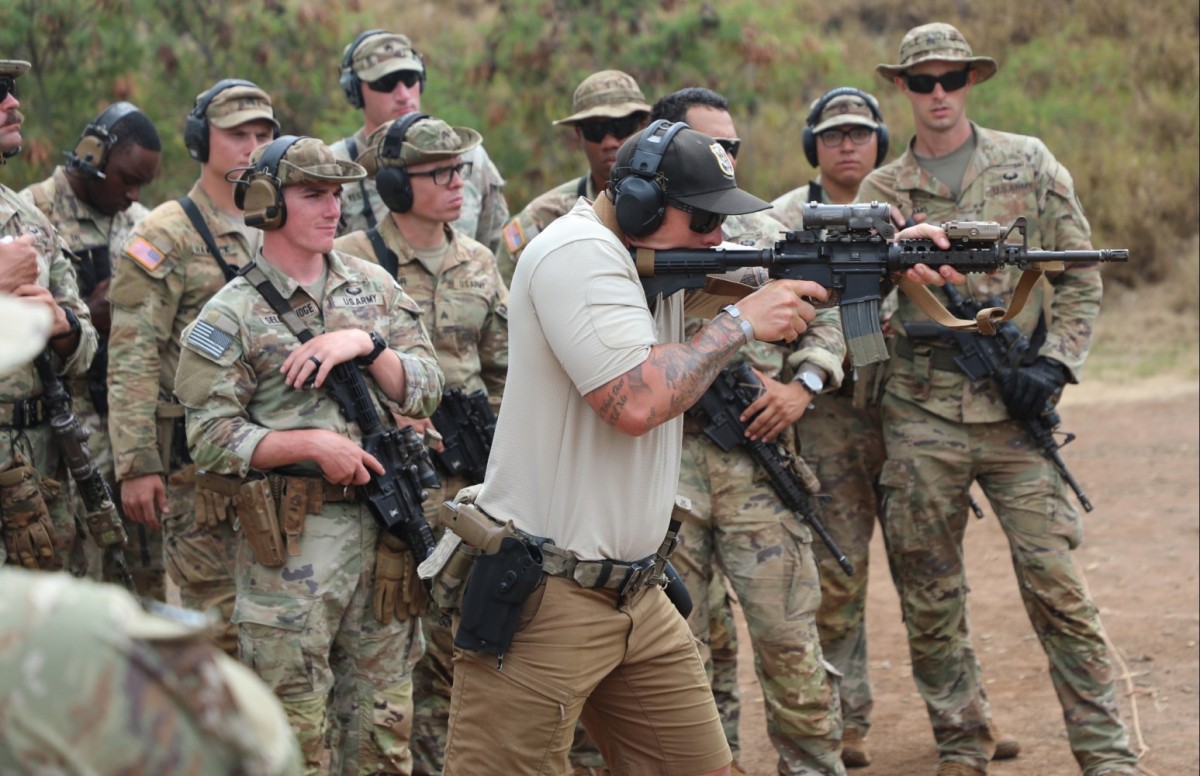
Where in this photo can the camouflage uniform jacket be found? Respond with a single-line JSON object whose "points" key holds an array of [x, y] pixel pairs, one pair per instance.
{"points": [[55, 272], [229, 375], [789, 207], [162, 278], [1008, 176], [484, 209], [464, 308], [535, 217]]}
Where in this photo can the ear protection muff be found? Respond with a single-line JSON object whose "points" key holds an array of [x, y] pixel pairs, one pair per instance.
{"points": [[393, 183], [808, 138], [259, 192], [90, 154], [195, 129], [350, 82], [640, 197]]}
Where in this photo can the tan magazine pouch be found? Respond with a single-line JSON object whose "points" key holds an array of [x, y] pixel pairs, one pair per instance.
{"points": [[260, 522]]}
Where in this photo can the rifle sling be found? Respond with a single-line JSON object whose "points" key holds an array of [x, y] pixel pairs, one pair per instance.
{"points": [[193, 214], [368, 211], [387, 257], [986, 320], [263, 284]]}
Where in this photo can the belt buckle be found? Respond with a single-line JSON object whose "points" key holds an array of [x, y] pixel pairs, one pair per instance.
{"points": [[634, 579]]}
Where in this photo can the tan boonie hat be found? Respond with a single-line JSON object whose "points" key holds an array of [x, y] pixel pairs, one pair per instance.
{"points": [[937, 42], [236, 105], [384, 53], [14, 68], [425, 141], [309, 160], [609, 94], [847, 109]]}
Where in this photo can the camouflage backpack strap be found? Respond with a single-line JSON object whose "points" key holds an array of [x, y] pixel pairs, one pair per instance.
{"points": [[193, 214]]}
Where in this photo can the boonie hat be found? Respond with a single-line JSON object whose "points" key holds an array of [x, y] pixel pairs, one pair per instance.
{"points": [[425, 141], [697, 172], [384, 53], [937, 42], [236, 105], [846, 109], [14, 68], [609, 94], [309, 160]]}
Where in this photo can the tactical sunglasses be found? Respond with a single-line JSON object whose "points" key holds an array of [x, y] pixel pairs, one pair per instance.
{"points": [[731, 145], [925, 84], [832, 138], [387, 83], [595, 131], [7, 86], [443, 175], [703, 221]]}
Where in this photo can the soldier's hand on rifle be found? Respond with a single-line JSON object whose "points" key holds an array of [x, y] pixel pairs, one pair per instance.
{"points": [[342, 462], [777, 407], [144, 498], [922, 273], [781, 310], [18, 263], [35, 293], [425, 429], [98, 306], [312, 360]]}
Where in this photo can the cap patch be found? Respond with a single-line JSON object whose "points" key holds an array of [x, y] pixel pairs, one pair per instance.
{"points": [[722, 159]]}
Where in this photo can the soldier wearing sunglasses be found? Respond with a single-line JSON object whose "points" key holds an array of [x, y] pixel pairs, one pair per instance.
{"points": [[607, 107], [942, 432], [384, 76]]}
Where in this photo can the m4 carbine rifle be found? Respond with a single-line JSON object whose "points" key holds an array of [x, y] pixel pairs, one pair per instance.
{"points": [[467, 425], [848, 249], [721, 408]]}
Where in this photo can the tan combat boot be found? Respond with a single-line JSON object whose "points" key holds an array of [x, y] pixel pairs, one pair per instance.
{"points": [[854, 749], [948, 768], [1007, 747]]}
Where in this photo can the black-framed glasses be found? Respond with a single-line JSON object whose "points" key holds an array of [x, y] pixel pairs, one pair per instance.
{"points": [[925, 84], [832, 138], [731, 145], [387, 83], [7, 86], [702, 221], [443, 175], [596, 131]]}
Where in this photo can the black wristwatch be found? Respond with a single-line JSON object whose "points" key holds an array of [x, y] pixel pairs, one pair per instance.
{"points": [[72, 322], [380, 346]]}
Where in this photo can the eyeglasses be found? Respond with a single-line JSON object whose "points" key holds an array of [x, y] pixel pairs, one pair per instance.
{"points": [[596, 131], [702, 221], [731, 145], [443, 175], [832, 138], [387, 83], [7, 86], [951, 82]]}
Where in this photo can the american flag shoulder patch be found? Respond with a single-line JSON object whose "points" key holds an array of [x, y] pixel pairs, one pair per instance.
{"points": [[143, 252], [514, 236], [209, 339]]}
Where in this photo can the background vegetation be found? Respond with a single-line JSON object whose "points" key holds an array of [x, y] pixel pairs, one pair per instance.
{"points": [[1111, 87]]}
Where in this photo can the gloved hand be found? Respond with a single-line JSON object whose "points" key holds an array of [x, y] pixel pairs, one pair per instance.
{"points": [[1027, 389]]}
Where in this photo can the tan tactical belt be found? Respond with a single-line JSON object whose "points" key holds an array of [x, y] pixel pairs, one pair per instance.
{"points": [[941, 359], [23, 413], [330, 492], [625, 577]]}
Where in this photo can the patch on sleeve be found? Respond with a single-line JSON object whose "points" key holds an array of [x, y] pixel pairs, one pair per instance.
{"points": [[209, 339], [514, 236], [144, 253]]}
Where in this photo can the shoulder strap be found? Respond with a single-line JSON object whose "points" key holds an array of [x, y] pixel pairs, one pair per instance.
{"points": [[581, 189], [387, 257], [193, 214], [815, 192], [263, 284]]}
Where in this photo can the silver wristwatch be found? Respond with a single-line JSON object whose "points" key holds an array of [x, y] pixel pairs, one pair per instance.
{"points": [[811, 380], [736, 314]]}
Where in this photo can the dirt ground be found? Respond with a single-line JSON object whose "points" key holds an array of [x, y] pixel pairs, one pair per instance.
{"points": [[1136, 457]]}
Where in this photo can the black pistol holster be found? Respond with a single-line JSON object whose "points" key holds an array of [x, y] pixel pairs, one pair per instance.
{"points": [[497, 589]]}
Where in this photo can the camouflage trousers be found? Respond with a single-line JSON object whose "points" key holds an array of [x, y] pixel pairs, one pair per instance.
{"points": [[52, 487], [766, 555], [931, 463], [723, 649], [845, 447], [201, 559], [310, 625]]}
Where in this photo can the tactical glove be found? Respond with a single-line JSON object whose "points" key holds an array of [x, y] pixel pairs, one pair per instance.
{"points": [[1026, 390]]}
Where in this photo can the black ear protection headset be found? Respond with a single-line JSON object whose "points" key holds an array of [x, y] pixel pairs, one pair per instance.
{"points": [[350, 82], [259, 192], [195, 130], [640, 197], [393, 183], [90, 154], [809, 140]]}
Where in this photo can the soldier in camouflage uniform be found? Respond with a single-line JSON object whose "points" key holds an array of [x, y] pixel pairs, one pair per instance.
{"points": [[943, 432], [91, 683], [464, 306], [607, 107], [321, 611], [36, 518], [383, 75], [740, 525], [93, 203], [163, 276]]}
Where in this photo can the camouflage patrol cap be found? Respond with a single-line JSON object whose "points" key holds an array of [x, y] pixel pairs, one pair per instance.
{"points": [[937, 42], [846, 109], [14, 68], [378, 55], [237, 105], [607, 94], [427, 140], [309, 160]]}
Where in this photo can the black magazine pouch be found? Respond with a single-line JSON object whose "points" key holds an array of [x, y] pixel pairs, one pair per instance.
{"points": [[496, 591]]}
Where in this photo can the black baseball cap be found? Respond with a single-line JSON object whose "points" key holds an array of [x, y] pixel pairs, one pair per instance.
{"points": [[695, 171]]}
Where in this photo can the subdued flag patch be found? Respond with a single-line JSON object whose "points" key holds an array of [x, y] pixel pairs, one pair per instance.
{"points": [[208, 339], [144, 253], [514, 236]]}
